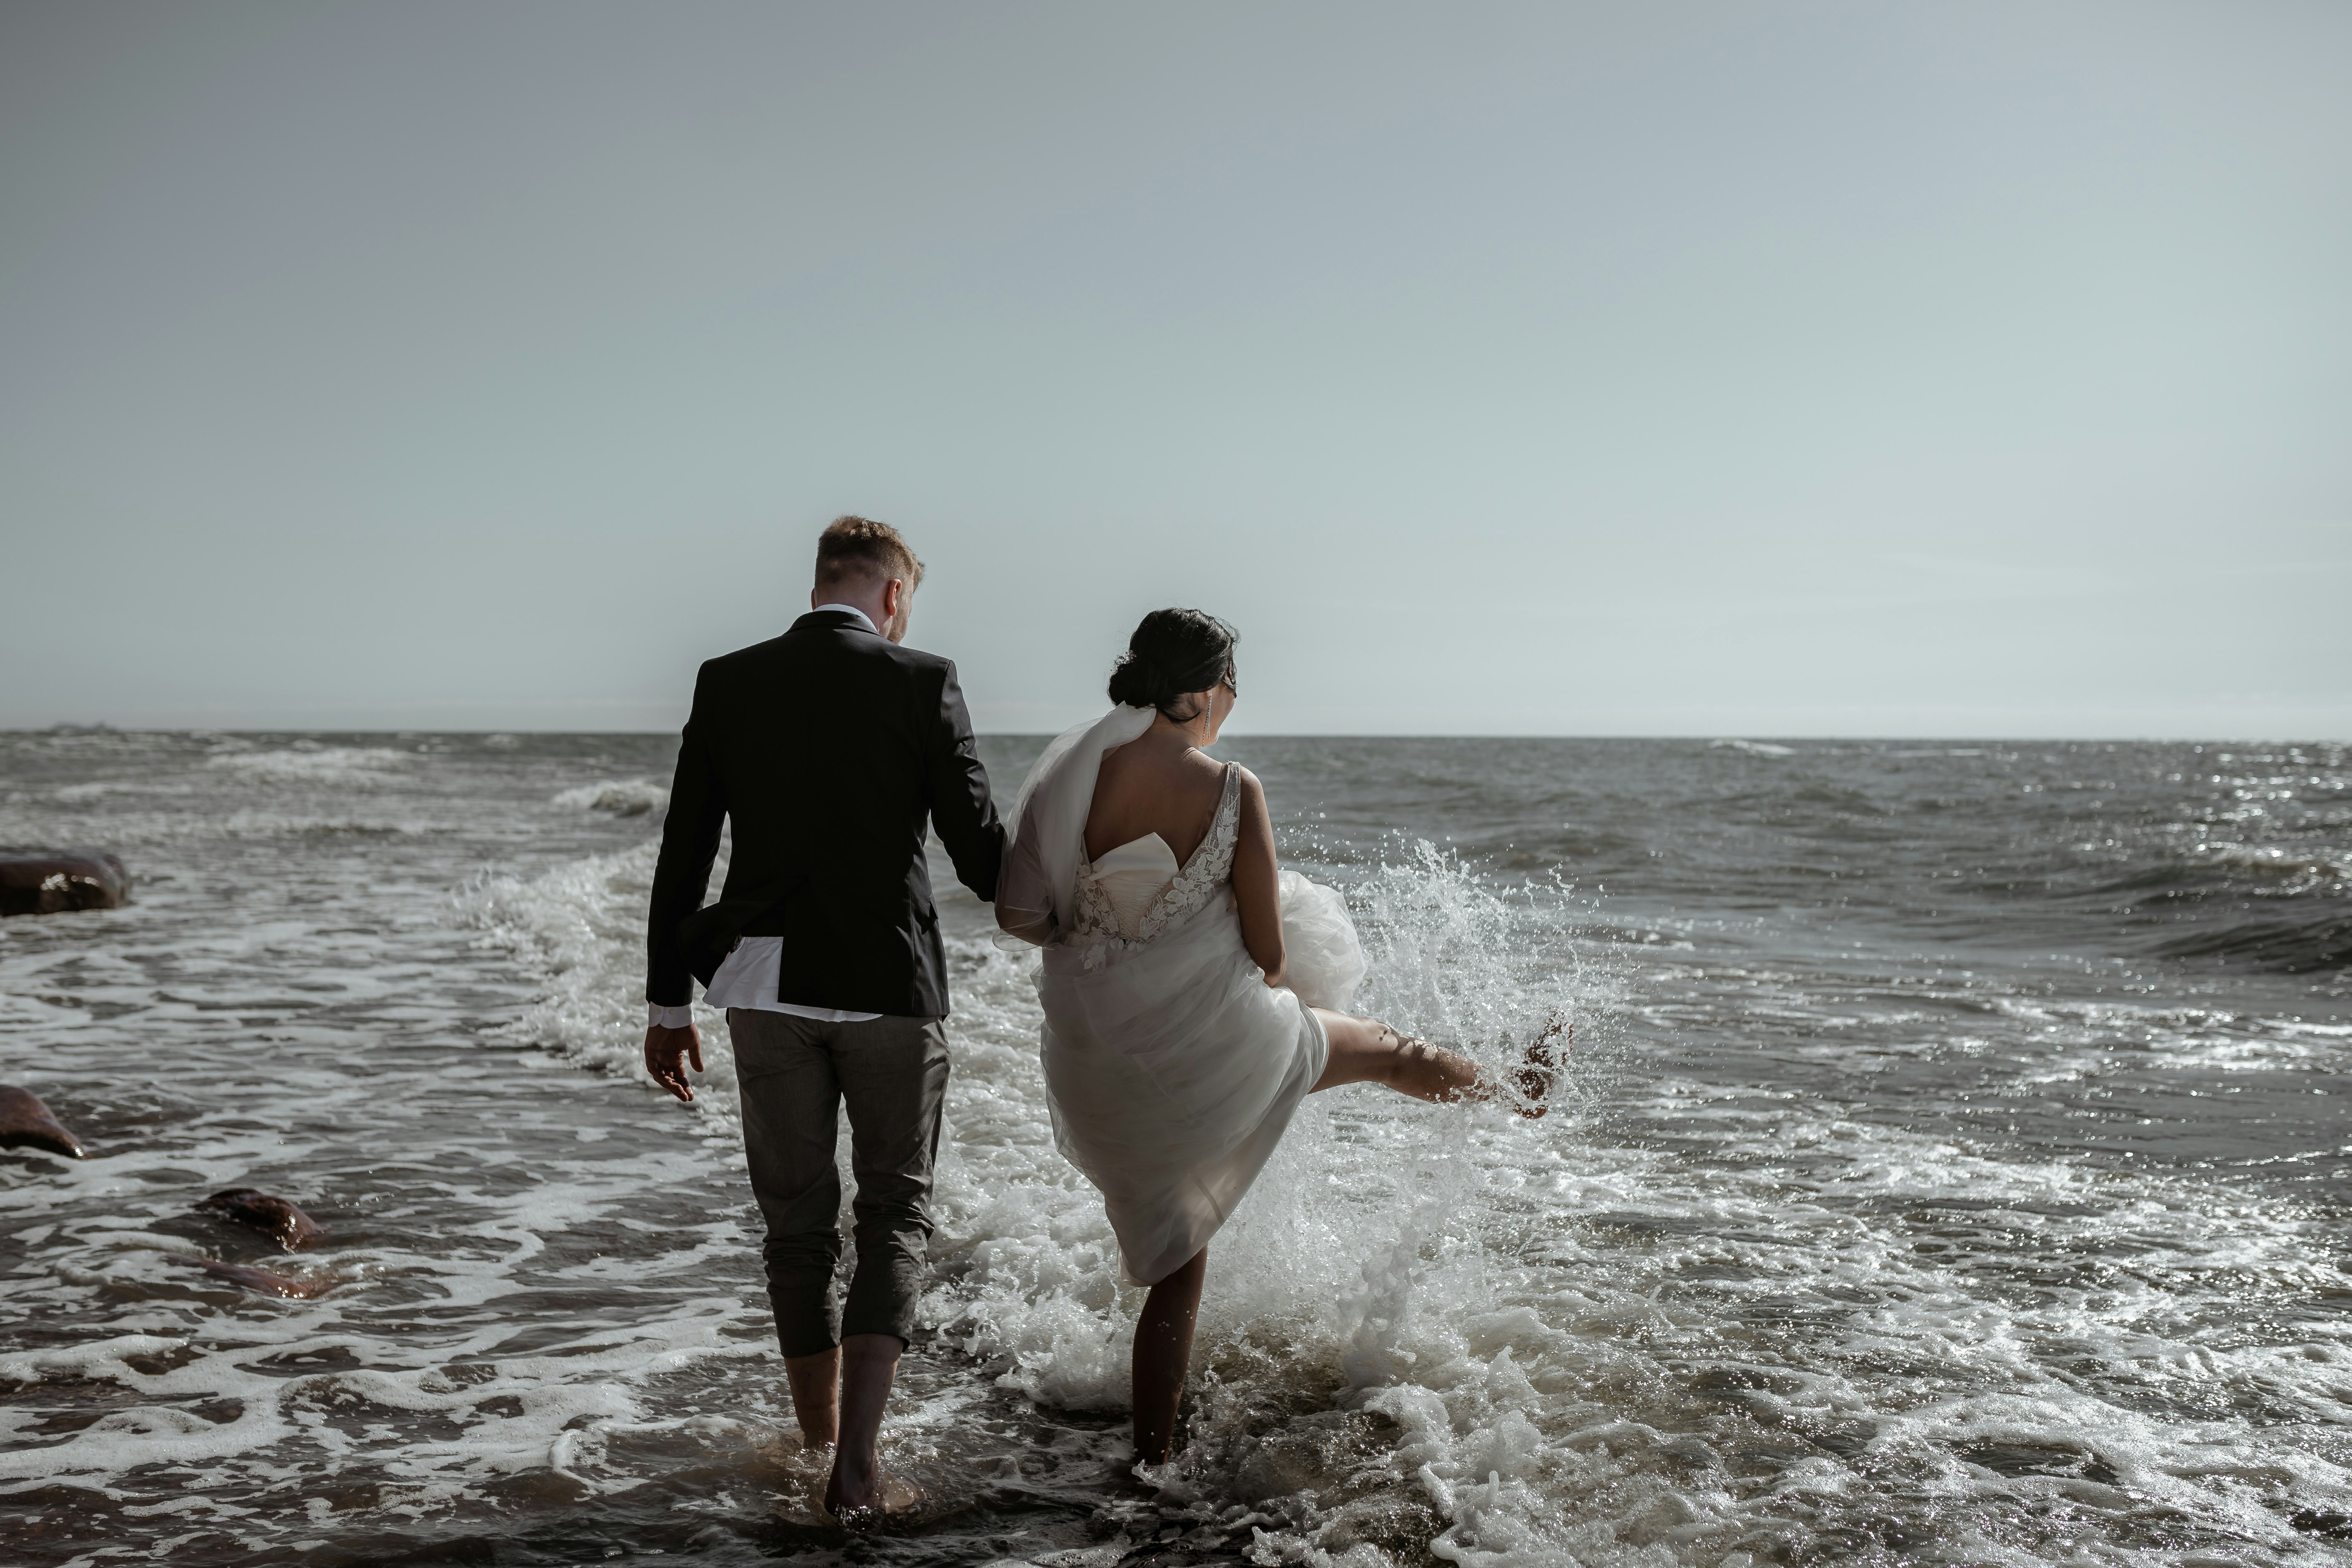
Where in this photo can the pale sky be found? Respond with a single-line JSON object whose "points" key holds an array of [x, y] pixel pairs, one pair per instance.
{"points": [[1744, 369]]}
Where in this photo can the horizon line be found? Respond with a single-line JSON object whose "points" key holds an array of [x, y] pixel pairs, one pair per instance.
{"points": [[1709, 736]]}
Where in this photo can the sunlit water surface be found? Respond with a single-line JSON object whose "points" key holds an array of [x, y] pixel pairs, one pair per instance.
{"points": [[1954, 1169]]}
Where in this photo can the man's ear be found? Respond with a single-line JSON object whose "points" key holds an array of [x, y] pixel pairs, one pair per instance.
{"points": [[894, 598]]}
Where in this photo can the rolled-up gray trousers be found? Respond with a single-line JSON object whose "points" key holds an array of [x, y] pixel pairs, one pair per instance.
{"points": [[794, 1074]]}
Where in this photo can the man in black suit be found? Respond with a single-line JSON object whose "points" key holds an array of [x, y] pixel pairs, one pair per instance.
{"points": [[829, 748]]}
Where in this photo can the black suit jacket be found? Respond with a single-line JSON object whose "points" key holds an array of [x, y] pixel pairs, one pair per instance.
{"points": [[829, 747]]}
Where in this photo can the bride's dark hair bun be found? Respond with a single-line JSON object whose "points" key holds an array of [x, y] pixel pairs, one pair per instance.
{"points": [[1171, 653]]}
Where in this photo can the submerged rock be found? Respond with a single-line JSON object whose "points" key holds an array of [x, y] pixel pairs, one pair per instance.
{"points": [[49, 881], [267, 1213], [260, 1280], [25, 1123]]}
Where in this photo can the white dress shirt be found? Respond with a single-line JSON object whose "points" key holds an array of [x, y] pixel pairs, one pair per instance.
{"points": [[750, 976]]}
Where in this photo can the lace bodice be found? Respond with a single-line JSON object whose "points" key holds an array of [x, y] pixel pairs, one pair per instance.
{"points": [[1108, 913]]}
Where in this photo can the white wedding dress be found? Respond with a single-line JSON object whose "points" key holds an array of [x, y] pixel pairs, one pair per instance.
{"points": [[1172, 1067]]}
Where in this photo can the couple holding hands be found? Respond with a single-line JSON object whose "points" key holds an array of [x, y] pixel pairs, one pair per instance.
{"points": [[1193, 990]]}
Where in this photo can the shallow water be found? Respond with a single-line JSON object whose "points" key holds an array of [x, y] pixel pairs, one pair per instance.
{"points": [[1952, 1170]]}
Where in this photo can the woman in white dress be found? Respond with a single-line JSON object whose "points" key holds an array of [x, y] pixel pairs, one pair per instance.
{"points": [[1193, 992]]}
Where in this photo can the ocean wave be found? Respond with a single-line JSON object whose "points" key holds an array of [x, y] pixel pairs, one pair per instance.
{"points": [[2171, 874], [152, 834], [308, 764], [73, 794], [295, 824], [2284, 947], [581, 927], [2289, 864], [621, 797], [1753, 748]]}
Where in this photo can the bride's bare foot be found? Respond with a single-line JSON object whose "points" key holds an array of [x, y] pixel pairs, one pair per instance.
{"points": [[1540, 1069]]}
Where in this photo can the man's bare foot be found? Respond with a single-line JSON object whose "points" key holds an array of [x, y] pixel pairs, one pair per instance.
{"points": [[849, 1493], [1541, 1067], [866, 1502]]}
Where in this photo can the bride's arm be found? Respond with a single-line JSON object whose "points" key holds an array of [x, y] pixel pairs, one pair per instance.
{"points": [[1025, 898], [1258, 888]]}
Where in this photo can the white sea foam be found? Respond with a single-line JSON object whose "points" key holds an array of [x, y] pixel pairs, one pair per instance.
{"points": [[75, 795], [581, 926], [93, 1358], [1754, 748], [1426, 1270]]}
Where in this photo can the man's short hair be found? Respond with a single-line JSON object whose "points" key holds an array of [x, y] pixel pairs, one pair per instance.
{"points": [[859, 547]]}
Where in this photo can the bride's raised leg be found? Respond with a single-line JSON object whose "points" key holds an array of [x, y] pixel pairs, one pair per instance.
{"points": [[1163, 1349], [1365, 1050]]}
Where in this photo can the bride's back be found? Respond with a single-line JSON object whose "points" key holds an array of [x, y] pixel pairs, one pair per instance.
{"points": [[1159, 798], [1157, 783]]}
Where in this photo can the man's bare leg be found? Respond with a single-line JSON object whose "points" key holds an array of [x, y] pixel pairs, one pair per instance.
{"points": [[815, 1383], [1163, 1350], [869, 1364]]}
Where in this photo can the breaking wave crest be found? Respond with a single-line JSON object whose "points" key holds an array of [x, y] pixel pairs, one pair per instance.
{"points": [[621, 797]]}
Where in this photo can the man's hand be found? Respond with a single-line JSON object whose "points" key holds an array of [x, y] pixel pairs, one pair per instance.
{"points": [[663, 1049]]}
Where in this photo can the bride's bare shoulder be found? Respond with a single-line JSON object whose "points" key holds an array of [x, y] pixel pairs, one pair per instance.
{"points": [[1153, 790], [1150, 766], [1253, 794]]}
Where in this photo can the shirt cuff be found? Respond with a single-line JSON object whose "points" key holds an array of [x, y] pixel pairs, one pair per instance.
{"points": [[660, 1017]]}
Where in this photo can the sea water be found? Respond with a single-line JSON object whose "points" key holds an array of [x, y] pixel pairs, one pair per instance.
{"points": [[1953, 1167]]}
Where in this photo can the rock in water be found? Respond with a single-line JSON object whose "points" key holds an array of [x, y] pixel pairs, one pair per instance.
{"points": [[25, 1123], [257, 1280], [46, 881], [264, 1211]]}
